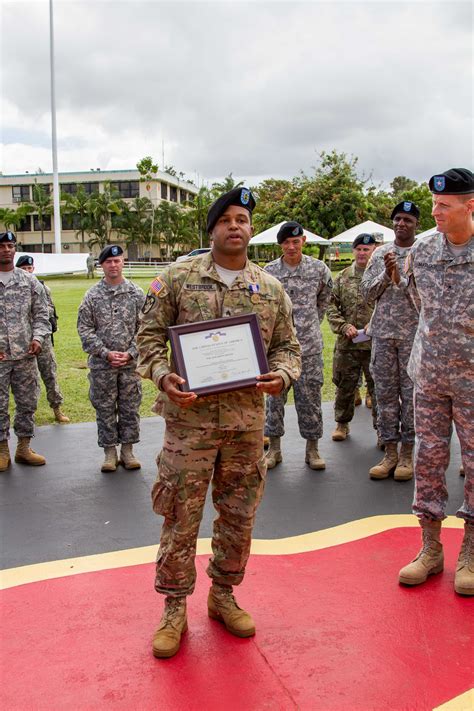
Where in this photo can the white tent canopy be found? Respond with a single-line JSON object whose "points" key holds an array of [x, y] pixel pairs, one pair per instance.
{"points": [[270, 236], [49, 264], [368, 226]]}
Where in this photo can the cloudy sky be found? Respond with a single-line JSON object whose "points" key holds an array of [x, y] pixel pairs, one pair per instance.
{"points": [[256, 88]]}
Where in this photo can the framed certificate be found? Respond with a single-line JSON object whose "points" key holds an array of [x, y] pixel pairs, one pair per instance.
{"points": [[219, 355]]}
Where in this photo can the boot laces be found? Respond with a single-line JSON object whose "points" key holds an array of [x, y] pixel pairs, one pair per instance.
{"points": [[173, 607], [467, 551]]}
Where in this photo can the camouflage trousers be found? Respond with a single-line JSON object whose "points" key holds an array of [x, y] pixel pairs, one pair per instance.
{"points": [[393, 389], [347, 368], [22, 377], [307, 392], [189, 460], [435, 413], [48, 369], [116, 395]]}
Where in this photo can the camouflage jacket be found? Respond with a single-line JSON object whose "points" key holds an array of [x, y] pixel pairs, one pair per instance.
{"points": [[23, 314], [108, 321], [348, 307], [443, 348], [191, 291], [395, 314], [309, 288]]}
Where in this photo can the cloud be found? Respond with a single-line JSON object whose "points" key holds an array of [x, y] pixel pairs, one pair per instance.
{"points": [[254, 88]]}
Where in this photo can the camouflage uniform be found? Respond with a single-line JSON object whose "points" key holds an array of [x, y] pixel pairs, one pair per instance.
{"points": [[90, 263], [442, 369], [392, 327], [309, 288], [47, 364], [108, 321], [218, 436], [23, 318], [348, 307]]}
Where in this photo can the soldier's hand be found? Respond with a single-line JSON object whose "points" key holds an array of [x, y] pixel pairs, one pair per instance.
{"points": [[271, 383], [390, 260], [169, 385], [35, 348], [117, 359], [350, 332]]}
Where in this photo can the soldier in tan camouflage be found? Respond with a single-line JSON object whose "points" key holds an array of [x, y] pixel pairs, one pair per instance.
{"points": [[107, 324], [308, 283], [440, 272], [217, 438], [46, 359], [392, 328], [348, 315], [24, 325]]}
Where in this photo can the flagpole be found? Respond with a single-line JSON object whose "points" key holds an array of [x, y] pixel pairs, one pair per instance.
{"points": [[57, 209]]}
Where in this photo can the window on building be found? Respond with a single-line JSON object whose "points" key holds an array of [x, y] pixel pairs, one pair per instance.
{"points": [[71, 222], [46, 223], [69, 188], [173, 193], [90, 188], [25, 224], [164, 191], [21, 193], [127, 188]]}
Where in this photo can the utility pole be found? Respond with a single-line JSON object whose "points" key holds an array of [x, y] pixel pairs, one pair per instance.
{"points": [[57, 209]]}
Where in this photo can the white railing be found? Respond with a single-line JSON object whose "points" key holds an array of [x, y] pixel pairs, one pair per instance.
{"points": [[139, 269]]}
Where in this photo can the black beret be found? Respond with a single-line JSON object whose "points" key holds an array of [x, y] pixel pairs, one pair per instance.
{"points": [[289, 229], [7, 237], [242, 197], [409, 208], [25, 261], [112, 250], [364, 238], [457, 181]]}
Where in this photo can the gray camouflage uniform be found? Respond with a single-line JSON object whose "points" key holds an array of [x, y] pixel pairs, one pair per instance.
{"points": [[392, 327], [23, 318], [442, 369], [108, 321], [309, 288], [47, 364]]}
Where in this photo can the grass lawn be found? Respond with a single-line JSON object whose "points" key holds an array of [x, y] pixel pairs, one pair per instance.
{"points": [[72, 361]]}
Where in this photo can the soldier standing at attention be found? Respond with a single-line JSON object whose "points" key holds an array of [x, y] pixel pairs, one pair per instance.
{"points": [[347, 314], [24, 325], [90, 263], [392, 328], [308, 283], [440, 271], [219, 437], [47, 365], [107, 324]]}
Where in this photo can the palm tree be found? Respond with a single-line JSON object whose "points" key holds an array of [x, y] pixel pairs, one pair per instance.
{"points": [[135, 221], [42, 205], [13, 218], [227, 184], [77, 205], [101, 207]]}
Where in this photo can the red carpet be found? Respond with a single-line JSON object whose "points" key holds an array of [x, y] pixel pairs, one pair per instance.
{"points": [[334, 631]]}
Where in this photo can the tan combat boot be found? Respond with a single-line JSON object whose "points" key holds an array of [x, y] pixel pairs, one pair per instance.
{"points": [[357, 398], [383, 469], [173, 625], [430, 559], [127, 457], [5, 460], [464, 578], [380, 443], [312, 458], [221, 606], [25, 455], [273, 455], [341, 432], [404, 469], [368, 401], [60, 417], [110, 460], [266, 442]]}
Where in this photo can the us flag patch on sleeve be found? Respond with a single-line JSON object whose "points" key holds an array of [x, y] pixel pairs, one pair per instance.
{"points": [[156, 285]]}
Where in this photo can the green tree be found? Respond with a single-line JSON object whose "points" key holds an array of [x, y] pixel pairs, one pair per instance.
{"points": [[12, 218], [176, 227], [99, 218], [227, 184], [42, 205], [135, 222], [400, 185], [198, 214], [148, 171], [78, 207]]}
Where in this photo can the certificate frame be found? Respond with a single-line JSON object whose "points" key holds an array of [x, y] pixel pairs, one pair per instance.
{"points": [[176, 333]]}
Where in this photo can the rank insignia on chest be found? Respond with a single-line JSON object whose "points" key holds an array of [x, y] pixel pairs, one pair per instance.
{"points": [[156, 285], [254, 288]]}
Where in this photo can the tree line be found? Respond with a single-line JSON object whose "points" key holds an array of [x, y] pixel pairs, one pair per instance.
{"points": [[328, 201]]}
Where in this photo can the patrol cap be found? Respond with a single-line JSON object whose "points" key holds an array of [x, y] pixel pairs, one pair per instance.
{"points": [[8, 237], [456, 181], [242, 197], [25, 261], [409, 208], [289, 229], [364, 238], [112, 250]]}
